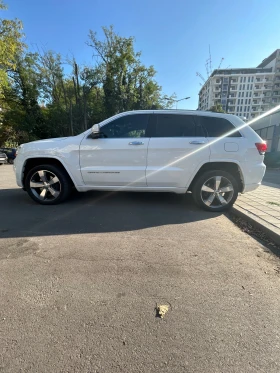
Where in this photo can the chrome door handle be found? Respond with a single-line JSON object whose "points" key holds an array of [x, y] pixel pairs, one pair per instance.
{"points": [[197, 142], [136, 143]]}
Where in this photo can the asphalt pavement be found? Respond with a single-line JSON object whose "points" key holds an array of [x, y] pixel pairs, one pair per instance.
{"points": [[79, 283]]}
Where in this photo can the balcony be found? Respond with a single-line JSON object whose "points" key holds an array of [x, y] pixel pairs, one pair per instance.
{"points": [[258, 88], [266, 87], [233, 88]]}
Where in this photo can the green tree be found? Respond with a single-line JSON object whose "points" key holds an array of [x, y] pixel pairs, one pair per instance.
{"points": [[23, 112], [127, 83], [217, 108], [10, 46]]}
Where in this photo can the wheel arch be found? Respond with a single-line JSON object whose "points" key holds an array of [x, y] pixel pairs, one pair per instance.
{"points": [[37, 161], [231, 167]]}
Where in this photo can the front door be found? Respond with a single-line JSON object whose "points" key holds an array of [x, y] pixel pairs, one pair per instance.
{"points": [[177, 149], [119, 157]]}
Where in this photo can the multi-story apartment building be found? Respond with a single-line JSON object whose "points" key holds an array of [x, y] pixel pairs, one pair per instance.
{"points": [[246, 92]]}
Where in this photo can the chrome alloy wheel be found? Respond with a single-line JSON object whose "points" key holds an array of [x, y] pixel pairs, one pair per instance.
{"points": [[45, 185], [217, 192]]}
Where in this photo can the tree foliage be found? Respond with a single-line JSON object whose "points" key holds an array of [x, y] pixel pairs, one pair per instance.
{"points": [[40, 100], [10, 46], [217, 108]]}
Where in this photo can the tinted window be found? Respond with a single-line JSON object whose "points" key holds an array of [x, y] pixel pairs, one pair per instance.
{"points": [[174, 125], [216, 127], [127, 126]]}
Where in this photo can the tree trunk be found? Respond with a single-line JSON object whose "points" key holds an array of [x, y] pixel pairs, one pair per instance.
{"points": [[85, 113], [71, 120]]}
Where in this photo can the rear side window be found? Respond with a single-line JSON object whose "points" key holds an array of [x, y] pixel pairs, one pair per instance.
{"points": [[175, 125], [216, 127]]}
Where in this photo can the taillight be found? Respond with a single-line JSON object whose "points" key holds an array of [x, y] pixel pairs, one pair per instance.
{"points": [[262, 147]]}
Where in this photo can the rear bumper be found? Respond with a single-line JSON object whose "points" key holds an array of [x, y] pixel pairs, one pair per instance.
{"points": [[250, 187], [253, 174]]}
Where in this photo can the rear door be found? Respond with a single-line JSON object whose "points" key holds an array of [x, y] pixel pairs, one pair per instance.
{"points": [[177, 148], [224, 145]]}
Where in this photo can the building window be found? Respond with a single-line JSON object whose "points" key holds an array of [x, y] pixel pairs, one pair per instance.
{"points": [[243, 86], [244, 80], [242, 94], [239, 94], [251, 86], [225, 87], [238, 102], [246, 101], [225, 80], [241, 79], [250, 94]]}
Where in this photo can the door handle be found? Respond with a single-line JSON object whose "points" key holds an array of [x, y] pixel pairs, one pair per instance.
{"points": [[197, 142], [136, 143]]}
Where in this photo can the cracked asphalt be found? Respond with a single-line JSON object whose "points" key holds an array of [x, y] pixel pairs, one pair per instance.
{"points": [[79, 283]]}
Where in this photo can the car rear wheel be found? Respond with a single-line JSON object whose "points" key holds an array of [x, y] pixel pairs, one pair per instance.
{"points": [[48, 184], [215, 190]]}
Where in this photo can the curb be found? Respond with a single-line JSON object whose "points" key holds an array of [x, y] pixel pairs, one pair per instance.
{"points": [[271, 232]]}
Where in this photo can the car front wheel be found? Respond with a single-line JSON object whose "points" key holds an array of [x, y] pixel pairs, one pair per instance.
{"points": [[215, 190], [48, 184]]}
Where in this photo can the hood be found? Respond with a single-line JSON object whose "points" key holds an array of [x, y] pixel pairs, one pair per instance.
{"points": [[48, 140]]}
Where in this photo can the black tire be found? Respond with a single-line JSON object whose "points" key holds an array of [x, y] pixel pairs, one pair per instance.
{"points": [[63, 186], [10, 161], [208, 180]]}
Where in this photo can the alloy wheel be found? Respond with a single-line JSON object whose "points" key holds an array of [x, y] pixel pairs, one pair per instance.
{"points": [[217, 192], [45, 185]]}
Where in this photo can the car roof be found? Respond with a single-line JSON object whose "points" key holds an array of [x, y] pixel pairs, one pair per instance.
{"points": [[233, 118], [178, 111]]}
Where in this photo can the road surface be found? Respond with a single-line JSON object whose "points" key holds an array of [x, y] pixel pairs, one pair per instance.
{"points": [[79, 284]]}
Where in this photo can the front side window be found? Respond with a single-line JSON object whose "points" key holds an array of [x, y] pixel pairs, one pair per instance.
{"points": [[128, 126], [216, 127], [175, 125]]}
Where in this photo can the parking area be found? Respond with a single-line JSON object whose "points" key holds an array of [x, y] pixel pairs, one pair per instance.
{"points": [[80, 282]]}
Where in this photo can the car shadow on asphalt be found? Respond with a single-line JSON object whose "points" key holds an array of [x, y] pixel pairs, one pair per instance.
{"points": [[95, 212]]}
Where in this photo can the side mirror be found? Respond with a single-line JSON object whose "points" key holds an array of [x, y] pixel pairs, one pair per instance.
{"points": [[95, 131]]}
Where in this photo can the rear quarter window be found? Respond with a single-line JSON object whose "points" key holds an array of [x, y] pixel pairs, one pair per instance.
{"points": [[216, 127]]}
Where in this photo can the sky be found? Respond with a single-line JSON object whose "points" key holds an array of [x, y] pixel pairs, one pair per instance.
{"points": [[174, 36]]}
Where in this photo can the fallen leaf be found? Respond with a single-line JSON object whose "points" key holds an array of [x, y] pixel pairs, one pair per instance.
{"points": [[161, 310]]}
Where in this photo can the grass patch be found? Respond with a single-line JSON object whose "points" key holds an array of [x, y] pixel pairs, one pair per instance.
{"points": [[274, 203]]}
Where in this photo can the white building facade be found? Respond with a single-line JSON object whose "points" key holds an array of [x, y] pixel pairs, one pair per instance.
{"points": [[246, 92]]}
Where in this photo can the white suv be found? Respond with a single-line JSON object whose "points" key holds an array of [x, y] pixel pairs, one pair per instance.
{"points": [[155, 151]]}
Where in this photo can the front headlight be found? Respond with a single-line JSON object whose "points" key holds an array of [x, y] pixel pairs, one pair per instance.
{"points": [[18, 150]]}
